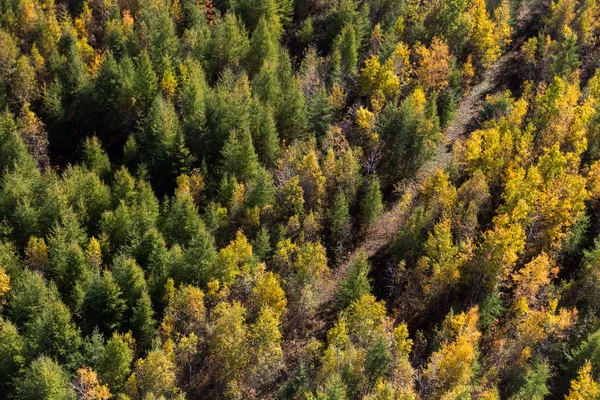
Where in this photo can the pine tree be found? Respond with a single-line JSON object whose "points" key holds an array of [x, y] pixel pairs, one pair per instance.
{"points": [[263, 47], [44, 379], [145, 84], [320, 112], [12, 355], [142, 322], [356, 283], [114, 366], [348, 51], [102, 305], [371, 203], [239, 158], [96, 159], [193, 108], [290, 112]]}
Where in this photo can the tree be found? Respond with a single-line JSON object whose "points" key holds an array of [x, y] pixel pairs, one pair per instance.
{"points": [[185, 313], [180, 221], [153, 377], [440, 268], [228, 46], [356, 283], [267, 357], [584, 387], [193, 107], [340, 222], [161, 145], [409, 132], [452, 365], [239, 157], [290, 110], [268, 293], [434, 65], [114, 365], [129, 276], [102, 305], [228, 344], [145, 84], [263, 46], [483, 34], [535, 386], [12, 356], [264, 133], [371, 203], [86, 385], [233, 260], [348, 48], [320, 112], [96, 159], [36, 254], [142, 321], [44, 379], [379, 82]]}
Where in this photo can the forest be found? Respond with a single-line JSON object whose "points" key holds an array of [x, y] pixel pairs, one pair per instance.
{"points": [[300, 199]]}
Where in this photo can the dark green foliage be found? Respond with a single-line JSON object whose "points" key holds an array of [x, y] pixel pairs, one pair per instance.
{"points": [[348, 48], [410, 133], [371, 202], [161, 144], [13, 150], [102, 306], [535, 386], [228, 46], [145, 84], [290, 112], [239, 158], [264, 133], [261, 192], [112, 100], [263, 47], [378, 362], [142, 322], [320, 112], [261, 245], [180, 221], [340, 222], [193, 108], [356, 283]]}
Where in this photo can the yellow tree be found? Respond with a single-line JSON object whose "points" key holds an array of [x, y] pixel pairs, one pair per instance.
{"points": [[87, 387], [434, 65], [486, 46], [584, 387], [452, 365], [228, 345], [4, 284], [233, 259], [440, 268], [497, 255], [379, 82], [268, 293]]}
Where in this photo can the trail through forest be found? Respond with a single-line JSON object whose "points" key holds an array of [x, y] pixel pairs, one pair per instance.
{"points": [[388, 224]]}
